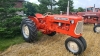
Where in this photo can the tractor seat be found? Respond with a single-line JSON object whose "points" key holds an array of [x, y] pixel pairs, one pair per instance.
{"points": [[38, 15]]}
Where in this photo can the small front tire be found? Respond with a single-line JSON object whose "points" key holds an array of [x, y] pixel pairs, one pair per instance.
{"points": [[96, 28], [74, 45], [84, 42]]}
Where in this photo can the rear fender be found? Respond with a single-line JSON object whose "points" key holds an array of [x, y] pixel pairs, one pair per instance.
{"points": [[35, 20]]}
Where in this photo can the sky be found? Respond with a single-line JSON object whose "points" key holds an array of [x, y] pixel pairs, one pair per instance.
{"points": [[79, 3]]}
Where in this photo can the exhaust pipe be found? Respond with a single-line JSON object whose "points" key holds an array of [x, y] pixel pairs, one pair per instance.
{"points": [[68, 8], [86, 10], [94, 8]]}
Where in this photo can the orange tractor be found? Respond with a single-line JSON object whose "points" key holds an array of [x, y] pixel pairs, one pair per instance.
{"points": [[91, 15], [52, 24]]}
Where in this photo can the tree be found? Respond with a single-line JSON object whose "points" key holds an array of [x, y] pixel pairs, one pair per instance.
{"points": [[63, 5], [56, 10], [75, 10], [9, 20], [46, 3], [42, 8], [31, 8], [80, 9]]}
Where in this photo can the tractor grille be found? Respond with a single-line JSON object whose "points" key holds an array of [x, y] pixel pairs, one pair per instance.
{"points": [[79, 27]]}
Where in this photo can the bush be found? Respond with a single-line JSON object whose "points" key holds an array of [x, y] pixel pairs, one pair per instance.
{"points": [[9, 20], [10, 27]]}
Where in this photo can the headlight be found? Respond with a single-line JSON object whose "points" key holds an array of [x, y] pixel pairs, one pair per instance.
{"points": [[72, 21]]}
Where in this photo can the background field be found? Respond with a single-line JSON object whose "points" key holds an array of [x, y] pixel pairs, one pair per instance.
{"points": [[54, 46]]}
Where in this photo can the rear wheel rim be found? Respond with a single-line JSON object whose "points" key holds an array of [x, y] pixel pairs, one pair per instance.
{"points": [[25, 31], [73, 47], [97, 29]]}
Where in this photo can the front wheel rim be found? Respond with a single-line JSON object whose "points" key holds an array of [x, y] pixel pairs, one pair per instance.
{"points": [[73, 47], [25, 31], [97, 29]]}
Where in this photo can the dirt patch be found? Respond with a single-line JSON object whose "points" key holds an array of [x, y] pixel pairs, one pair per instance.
{"points": [[54, 46]]}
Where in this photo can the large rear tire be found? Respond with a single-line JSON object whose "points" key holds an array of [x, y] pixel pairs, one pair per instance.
{"points": [[29, 30], [74, 45], [96, 28]]}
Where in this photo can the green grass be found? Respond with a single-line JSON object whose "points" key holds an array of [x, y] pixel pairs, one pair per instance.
{"points": [[5, 43]]}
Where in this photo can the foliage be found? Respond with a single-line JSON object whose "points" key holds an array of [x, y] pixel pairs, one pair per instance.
{"points": [[56, 11], [63, 5], [9, 20], [47, 6], [10, 27], [31, 8], [75, 10], [46, 3], [54, 6], [80, 9], [42, 8], [5, 43]]}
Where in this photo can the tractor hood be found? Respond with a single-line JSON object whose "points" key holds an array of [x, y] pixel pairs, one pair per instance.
{"points": [[65, 17]]}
